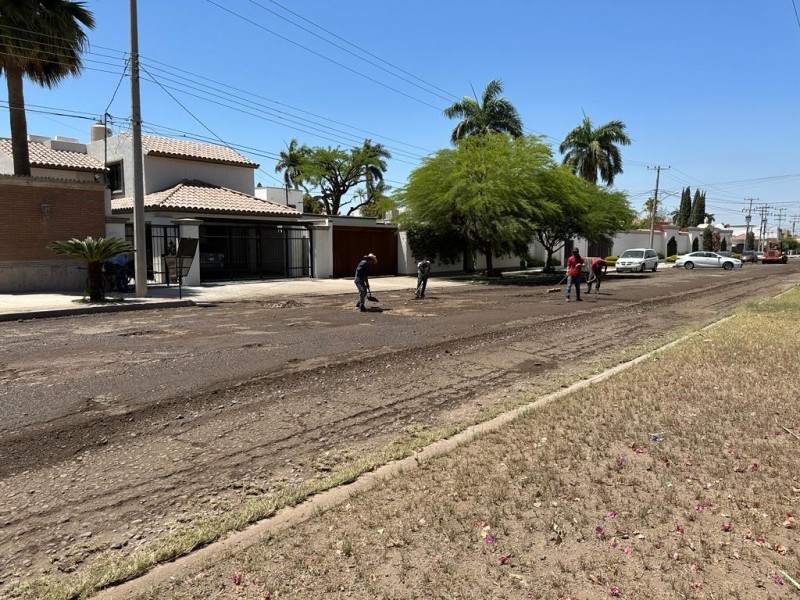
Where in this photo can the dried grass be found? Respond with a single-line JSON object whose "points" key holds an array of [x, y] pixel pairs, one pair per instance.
{"points": [[677, 479]]}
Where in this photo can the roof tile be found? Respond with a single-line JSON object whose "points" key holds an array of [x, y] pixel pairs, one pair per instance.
{"points": [[158, 146], [44, 157], [202, 197]]}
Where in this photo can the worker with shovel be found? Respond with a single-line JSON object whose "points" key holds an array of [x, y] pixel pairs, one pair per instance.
{"points": [[597, 272], [362, 279], [574, 268]]}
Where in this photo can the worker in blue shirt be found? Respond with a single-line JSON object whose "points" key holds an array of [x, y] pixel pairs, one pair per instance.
{"points": [[362, 279]]}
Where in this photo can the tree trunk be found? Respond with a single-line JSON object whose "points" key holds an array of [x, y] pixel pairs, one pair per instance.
{"points": [[487, 252], [95, 282], [18, 122], [469, 263]]}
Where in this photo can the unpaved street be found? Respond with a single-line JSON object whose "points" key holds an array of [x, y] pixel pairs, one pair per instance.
{"points": [[116, 428]]}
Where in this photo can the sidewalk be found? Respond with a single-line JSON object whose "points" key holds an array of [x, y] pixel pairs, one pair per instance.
{"points": [[35, 306]]}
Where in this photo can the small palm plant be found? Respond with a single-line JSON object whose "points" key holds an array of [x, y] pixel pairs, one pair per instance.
{"points": [[93, 252]]}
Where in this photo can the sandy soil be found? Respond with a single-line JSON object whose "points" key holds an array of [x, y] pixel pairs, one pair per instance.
{"points": [[116, 429]]}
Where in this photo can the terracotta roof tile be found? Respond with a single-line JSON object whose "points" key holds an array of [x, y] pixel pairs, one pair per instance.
{"points": [[200, 197], [44, 157], [158, 146]]}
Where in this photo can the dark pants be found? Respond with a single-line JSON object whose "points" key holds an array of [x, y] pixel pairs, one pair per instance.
{"points": [[595, 278], [422, 283], [362, 293]]}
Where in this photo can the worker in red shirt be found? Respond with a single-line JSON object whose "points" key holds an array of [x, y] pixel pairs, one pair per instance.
{"points": [[574, 267], [597, 272]]}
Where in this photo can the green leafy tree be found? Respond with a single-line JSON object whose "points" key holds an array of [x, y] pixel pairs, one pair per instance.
{"points": [[291, 163], [589, 152], [716, 240], [484, 190], [333, 172], [440, 246], [93, 252], [685, 209], [490, 114], [723, 244], [578, 209], [43, 41], [380, 203]]}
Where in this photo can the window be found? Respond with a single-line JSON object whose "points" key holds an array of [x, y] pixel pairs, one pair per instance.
{"points": [[115, 181]]}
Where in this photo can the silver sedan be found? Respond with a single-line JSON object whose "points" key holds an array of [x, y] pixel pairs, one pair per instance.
{"points": [[707, 259]]}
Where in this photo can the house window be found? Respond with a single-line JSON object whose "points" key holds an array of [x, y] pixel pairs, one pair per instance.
{"points": [[115, 177]]}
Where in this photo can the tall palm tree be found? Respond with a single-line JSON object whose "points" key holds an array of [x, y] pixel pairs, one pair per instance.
{"points": [[42, 40], [93, 252], [291, 163], [375, 157], [491, 114], [589, 151]]}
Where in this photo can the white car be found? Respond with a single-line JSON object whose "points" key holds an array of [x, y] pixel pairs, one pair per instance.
{"points": [[637, 260], [707, 259]]}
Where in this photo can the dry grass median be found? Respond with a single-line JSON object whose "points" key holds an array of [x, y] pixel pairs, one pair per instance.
{"points": [[676, 479]]}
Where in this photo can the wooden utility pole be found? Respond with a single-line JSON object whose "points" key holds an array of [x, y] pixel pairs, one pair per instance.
{"points": [[139, 238], [655, 203]]}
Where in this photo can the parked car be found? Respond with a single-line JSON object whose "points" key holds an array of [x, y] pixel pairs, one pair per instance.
{"points": [[749, 256], [637, 260], [707, 259]]}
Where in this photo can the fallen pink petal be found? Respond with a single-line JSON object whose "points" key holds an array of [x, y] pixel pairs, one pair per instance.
{"points": [[628, 550], [614, 591], [778, 579], [611, 514], [489, 539]]}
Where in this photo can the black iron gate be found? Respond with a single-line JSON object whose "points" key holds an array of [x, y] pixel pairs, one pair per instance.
{"points": [[160, 241], [254, 251]]}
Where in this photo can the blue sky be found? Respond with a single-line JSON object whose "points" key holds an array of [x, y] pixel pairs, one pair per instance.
{"points": [[709, 88]]}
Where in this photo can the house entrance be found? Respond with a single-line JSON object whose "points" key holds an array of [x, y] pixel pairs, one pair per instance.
{"points": [[254, 251], [160, 241]]}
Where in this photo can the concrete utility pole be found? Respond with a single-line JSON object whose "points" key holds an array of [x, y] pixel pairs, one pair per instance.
{"points": [[747, 219], [655, 203], [139, 238], [762, 231], [781, 212]]}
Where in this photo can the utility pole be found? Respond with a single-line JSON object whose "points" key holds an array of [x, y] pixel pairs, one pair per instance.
{"points": [[747, 219], [781, 212], [762, 231], [139, 238], [653, 208]]}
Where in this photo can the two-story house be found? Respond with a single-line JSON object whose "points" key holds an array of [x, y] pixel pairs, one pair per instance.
{"points": [[204, 191]]}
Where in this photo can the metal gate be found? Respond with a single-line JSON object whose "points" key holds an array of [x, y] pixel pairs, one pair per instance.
{"points": [[254, 251], [160, 241]]}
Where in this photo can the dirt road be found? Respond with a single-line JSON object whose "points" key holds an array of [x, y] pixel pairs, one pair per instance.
{"points": [[115, 429]]}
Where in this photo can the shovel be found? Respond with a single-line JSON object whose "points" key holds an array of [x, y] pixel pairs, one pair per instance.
{"points": [[371, 298]]}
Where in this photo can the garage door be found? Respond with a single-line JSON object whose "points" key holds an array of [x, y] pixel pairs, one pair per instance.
{"points": [[352, 243]]}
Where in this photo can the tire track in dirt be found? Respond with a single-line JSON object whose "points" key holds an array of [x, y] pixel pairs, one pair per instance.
{"points": [[355, 407]]}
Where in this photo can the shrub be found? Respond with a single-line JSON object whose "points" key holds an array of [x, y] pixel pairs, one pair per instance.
{"points": [[672, 259], [611, 258]]}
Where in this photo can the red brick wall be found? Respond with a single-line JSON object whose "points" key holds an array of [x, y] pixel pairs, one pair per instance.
{"points": [[76, 211]]}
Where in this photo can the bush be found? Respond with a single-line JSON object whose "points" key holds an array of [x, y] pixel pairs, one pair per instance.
{"points": [[672, 259], [660, 256], [535, 262], [611, 258]]}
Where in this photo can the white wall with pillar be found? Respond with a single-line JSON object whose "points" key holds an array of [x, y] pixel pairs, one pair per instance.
{"points": [[190, 228], [322, 248]]}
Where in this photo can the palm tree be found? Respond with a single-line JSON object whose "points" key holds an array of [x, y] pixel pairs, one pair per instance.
{"points": [[93, 252], [291, 163], [375, 156], [589, 151], [41, 40], [491, 114]]}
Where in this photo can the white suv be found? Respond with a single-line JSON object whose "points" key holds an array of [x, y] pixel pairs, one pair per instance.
{"points": [[637, 260]]}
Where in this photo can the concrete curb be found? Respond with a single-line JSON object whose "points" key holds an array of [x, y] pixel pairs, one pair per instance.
{"points": [[84, 310]]}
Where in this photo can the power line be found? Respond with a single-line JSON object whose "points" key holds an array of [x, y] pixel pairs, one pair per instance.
{"points": [[796, 16], [329, 59], [448, 97]]}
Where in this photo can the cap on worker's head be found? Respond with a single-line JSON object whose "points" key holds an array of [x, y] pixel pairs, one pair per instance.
{"points": [[575, 251], [372, 257]]}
